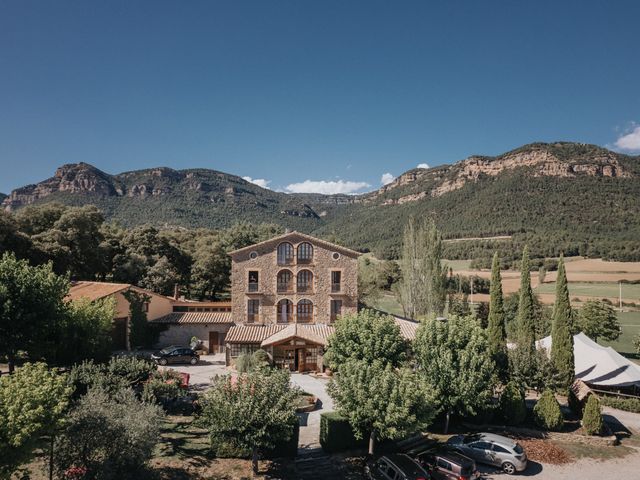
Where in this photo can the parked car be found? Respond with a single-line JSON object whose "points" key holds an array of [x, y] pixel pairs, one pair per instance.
{"points": [[176, 354], [448, 465], [493, 450], [397, 466]]}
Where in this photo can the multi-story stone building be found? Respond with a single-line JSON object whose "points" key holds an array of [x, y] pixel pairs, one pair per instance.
{"points": [[286, 293]]}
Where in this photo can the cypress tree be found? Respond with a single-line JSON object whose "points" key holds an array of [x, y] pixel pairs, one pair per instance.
{"points": [[562, 357], [496, 331], [526, 314]]}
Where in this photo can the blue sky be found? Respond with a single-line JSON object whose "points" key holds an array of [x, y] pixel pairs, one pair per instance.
{"points": [[325, 96]]}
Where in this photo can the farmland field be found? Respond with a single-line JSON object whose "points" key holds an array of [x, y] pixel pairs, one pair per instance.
{"points": [[595, 289], [630, 322]]}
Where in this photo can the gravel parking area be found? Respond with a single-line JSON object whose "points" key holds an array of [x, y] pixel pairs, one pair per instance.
{"points": [[200, 375]]}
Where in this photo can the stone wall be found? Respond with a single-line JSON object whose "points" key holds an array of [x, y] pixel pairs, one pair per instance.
{"points": [[265, 263], [181, 334]]}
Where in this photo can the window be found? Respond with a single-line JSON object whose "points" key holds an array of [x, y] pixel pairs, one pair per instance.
{"points": [[336, 309], [237, 349], [284, 281], [336, 281], [305, 311], [444, 464], [285, 254], [305, 281], [305, 253], [285, 310], [253, 255], [335, 256], [253, 310], [253, 283], [499, 449], [145, 307], [481, 446], [312, 356]]}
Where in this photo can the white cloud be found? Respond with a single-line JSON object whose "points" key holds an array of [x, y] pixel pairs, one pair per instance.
{"points": [[327, 187], [261, 182], [386, 178], [423, 165], [630, 141]]}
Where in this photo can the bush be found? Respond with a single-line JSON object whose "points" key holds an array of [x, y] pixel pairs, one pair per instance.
{"points": [[118, 374], [164, 388], [336, 434], [245, 363], [261, 357], [592, 418], [622, 403], [108, 436], [574, 403], [512, 405], [547, 413]]}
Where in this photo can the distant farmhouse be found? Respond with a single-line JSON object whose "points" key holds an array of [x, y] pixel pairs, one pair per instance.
{"points": [[286, 294]]}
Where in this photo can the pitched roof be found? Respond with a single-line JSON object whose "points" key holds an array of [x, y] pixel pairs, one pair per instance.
{"points": [[251, 333], [304, 236], [311, 333], [408, 328], [182, 318], [93, 291]]}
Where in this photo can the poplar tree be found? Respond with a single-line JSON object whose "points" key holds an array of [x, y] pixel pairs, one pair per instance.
{"points": [[496, 330], [562, 357], [424, 278]]}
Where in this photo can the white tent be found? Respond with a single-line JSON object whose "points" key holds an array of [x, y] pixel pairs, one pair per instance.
{"points": [[598, 365]]}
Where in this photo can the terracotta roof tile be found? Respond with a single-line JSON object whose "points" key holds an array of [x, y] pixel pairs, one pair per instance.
{"points": [[309, 238], [183, 318], [408, 328], [95, 290], [251, 333], [312, 333]]}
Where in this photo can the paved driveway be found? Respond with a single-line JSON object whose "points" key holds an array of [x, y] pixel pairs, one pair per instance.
{"points": [[310, 422], [201, 374]]}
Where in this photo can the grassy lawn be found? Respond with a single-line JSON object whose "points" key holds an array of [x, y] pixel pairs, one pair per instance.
{"points": [[458, 265], [387, 302], [630, 322], [595, 289]]}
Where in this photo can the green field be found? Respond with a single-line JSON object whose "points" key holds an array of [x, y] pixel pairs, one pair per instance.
{"points": [[595, 289], [387, 303], [457, 264], [630, 322]]}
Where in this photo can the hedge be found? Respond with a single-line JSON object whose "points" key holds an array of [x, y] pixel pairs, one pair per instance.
{"points": [[547, 413], [222, 448], [336, 434], [622, 403]]}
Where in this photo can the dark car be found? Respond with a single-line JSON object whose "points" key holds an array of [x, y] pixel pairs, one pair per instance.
{"points": [[397, 466], [448, 465], [175, 355], [492, 449]]}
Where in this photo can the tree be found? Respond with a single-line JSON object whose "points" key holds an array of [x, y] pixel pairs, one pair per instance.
{"points": [[512, 404], [454, 358], [32, 402], [254, 411], [547, 413], [526, 331], [366, 335], [109, 435], [31, 309], [86, 331], [562, 356], [424, 277], [598, 319], [211, 269], [141, 333], [496, 329], [381, 401], [592, 416]]}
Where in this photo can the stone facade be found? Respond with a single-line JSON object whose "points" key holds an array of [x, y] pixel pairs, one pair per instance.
{"points": [[263, 259]]}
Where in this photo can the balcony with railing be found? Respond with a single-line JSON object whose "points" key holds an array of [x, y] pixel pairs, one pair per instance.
{"points": [[253, 318], [295, 317], [253, 287], [284, 287], [336, 287]]}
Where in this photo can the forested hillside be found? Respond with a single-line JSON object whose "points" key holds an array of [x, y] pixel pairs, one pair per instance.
{"points": [[577, 198]]}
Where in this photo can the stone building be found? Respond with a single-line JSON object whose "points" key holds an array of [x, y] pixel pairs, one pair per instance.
{"points": [[286, 293]]}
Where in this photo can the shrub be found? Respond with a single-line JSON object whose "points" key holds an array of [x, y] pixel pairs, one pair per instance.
{"points": [[512, 405], [592, 418], [547, 413], [118, 374], [336, 434], [110, 436], [164, 388], [261, 357], [245, 363], [574, 403], [625, 403]]}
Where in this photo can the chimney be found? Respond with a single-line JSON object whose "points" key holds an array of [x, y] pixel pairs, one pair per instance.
{"points": [[176, 292]]}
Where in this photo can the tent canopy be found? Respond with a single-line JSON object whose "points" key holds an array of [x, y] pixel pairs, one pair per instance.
{"points": [[598, 365]]}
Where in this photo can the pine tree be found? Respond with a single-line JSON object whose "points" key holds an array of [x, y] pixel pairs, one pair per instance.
{"points": [[592, 416], [496, 323], [562, 357]]}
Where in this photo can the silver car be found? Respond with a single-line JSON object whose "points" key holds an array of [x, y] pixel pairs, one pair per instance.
{"points": [[492, 449]]}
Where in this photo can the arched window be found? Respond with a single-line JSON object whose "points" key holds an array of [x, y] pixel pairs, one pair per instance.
{"points": [[305, 281], [284, 281], [285, 310], [305, 253], [305, 311], [285, 254]]}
